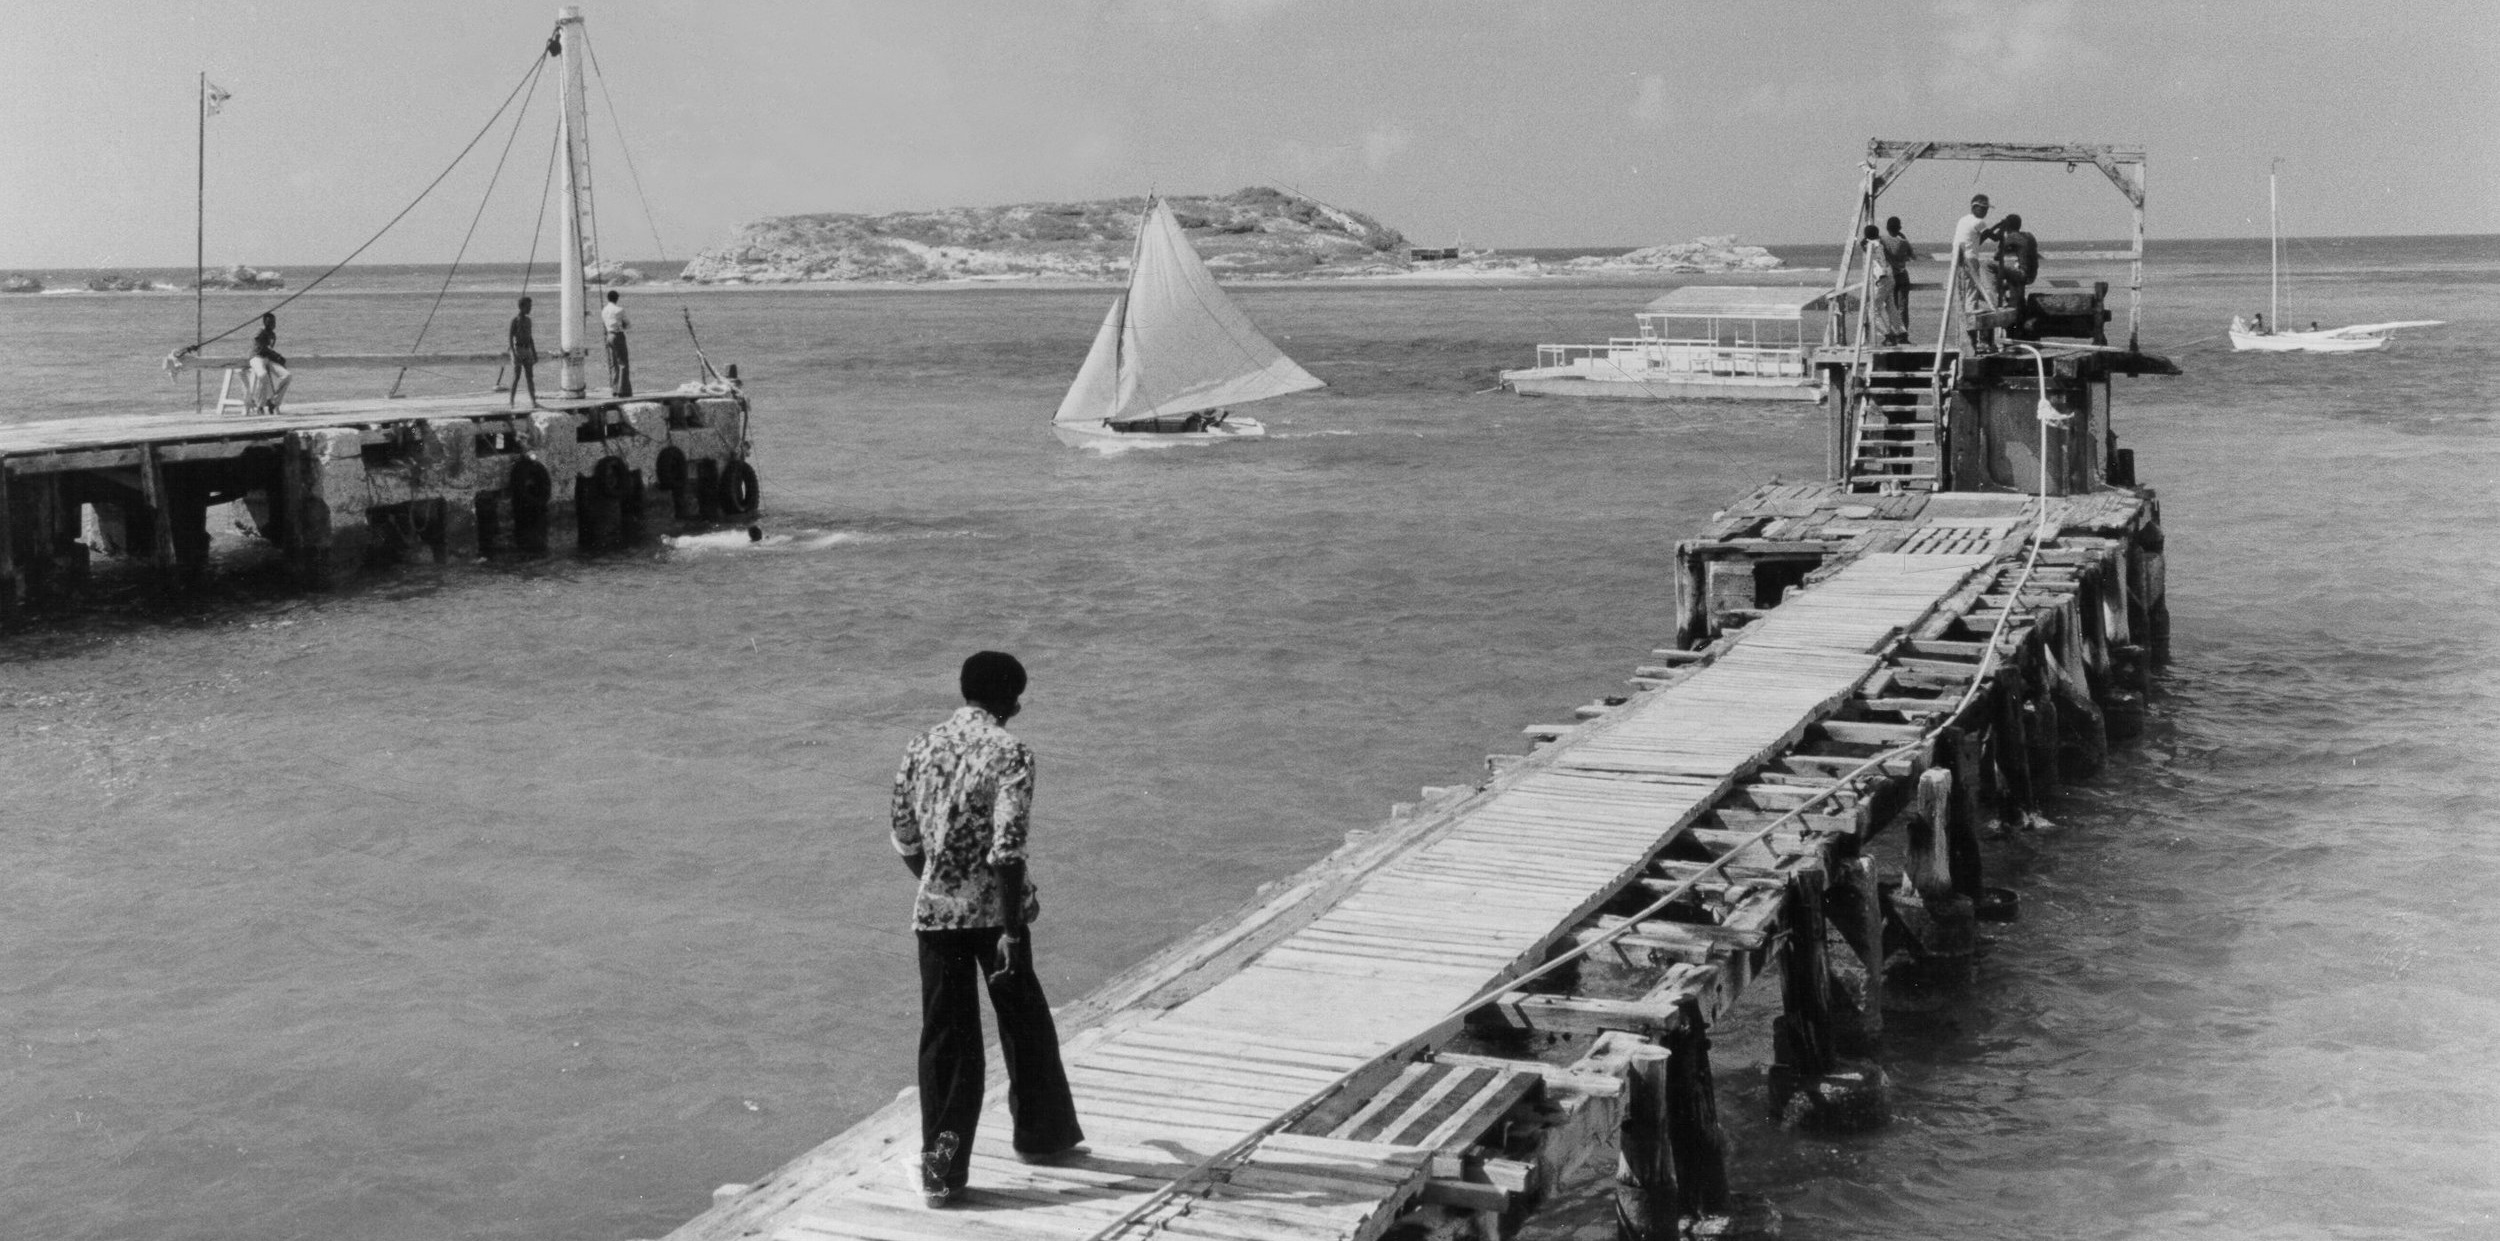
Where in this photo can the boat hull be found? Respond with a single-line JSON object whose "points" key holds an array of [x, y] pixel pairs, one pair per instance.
{"points": [[1098, 436], [2304, 342]]}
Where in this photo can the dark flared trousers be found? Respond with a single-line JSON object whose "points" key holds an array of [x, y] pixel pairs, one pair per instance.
{"points": [[953, 967], [620, 366]]}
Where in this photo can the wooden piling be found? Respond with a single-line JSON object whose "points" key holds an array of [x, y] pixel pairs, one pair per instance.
{"points": [[1646, 1206], [1801, 1045], [1698, 1142], [1854, 905]]}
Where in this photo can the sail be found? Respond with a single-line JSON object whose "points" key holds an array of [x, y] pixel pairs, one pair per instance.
{"points": [[1182, 345], [1097, 385]]}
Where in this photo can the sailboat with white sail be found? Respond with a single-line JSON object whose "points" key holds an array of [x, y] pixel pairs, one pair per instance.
{"points": [[2266, 335], [1174, 356]]}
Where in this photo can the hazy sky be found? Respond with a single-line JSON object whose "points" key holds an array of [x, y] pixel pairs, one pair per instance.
{"points": [[1519, 123]]}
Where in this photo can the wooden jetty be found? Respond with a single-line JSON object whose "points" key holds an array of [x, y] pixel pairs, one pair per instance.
{"points": [[1360, 1052], [1512, 984], [338, 484]]}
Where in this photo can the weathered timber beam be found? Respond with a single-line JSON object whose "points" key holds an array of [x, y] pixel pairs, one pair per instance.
{"points": [[1573, 1014], [1865, 732], [2015, 152], [1687, 942]]}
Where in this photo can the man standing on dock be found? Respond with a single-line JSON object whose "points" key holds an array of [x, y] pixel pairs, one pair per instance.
{"points": [[962, 808], [620, 364], [1968, 232], [524, 345], [1897, 255]]}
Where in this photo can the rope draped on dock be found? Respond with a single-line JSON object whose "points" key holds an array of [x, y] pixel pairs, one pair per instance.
{"points": [[2050, 419]]}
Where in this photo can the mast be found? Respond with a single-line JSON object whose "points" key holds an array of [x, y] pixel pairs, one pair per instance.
{"points": [[199, 254], [573, 247], [2274, 253]]}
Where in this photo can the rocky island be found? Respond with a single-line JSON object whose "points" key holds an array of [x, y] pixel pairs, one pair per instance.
{"points": [[1256, 233], [1252, 232]]}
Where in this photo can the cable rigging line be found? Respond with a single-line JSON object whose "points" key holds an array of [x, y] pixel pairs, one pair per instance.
{"points": [[315, 282], [617, 127], [537, 71]]}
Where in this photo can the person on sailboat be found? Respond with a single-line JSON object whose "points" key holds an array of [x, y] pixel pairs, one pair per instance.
{"points": [[962, 809], [1897, 255], [524, 356], [620, 364], [266, 375]]}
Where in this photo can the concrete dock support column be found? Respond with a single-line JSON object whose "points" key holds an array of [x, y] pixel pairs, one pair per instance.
{"points": [[327, 534]]}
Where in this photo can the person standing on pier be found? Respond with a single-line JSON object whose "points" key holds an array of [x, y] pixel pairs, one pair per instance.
{"points": [[1968, 233], [963, 802], [1897, 256], [1884, 325], [620, 365], [524, 356], [266, 375], [2018, 263]]}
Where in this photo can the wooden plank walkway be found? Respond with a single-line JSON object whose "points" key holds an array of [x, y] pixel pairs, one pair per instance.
{"points": [[1388, 965]]}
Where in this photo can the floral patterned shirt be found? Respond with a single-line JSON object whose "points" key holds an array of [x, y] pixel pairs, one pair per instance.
{"points": [[964, 798]]}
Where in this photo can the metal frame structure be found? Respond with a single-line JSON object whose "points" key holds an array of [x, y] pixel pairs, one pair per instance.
{"points": [[1888, 158]]}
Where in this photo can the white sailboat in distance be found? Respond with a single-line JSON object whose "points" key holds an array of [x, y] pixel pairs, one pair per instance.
{"points": [[1174, 355], [2267, 336]]}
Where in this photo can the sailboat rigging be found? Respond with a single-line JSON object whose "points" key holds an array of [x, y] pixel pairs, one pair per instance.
{"points": [[2267, 335], [1173, 355]]}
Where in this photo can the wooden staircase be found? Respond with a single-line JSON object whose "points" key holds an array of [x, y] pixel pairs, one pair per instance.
{"points": [[1895, 445]]}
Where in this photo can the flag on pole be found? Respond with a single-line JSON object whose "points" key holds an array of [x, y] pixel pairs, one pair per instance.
{"points": [[217, 97]]}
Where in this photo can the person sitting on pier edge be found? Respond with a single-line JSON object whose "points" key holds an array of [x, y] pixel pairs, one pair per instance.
{"points": [[524, 356], [1980, 292], [620, 365], [962, 809], [266, 375], [2018, 263], [1897, 256]]}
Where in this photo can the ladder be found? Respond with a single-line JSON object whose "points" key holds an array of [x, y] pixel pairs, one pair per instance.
{"points": [[1895, 444]]}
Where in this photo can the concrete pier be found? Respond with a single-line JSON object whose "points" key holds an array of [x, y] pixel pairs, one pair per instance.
{"points": [[340, 485]]}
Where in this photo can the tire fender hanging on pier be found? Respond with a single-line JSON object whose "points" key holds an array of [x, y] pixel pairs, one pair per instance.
{"points": [[531, 486], [740, 491]]}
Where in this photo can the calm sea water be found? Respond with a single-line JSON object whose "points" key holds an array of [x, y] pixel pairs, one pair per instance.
{"points": [[532, 902]]}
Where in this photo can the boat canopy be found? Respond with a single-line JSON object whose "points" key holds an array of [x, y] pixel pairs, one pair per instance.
{"points": [[1174, 344], [1740, 302]]}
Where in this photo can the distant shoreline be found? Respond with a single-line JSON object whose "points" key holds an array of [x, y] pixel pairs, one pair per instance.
{"points": [[1827, 247], [1815, 276]]}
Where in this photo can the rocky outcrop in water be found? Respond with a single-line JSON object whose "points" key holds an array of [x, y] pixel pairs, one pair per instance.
{"points": [[21, 284], [1250, 233], [242, 277], [1701, 254]]}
